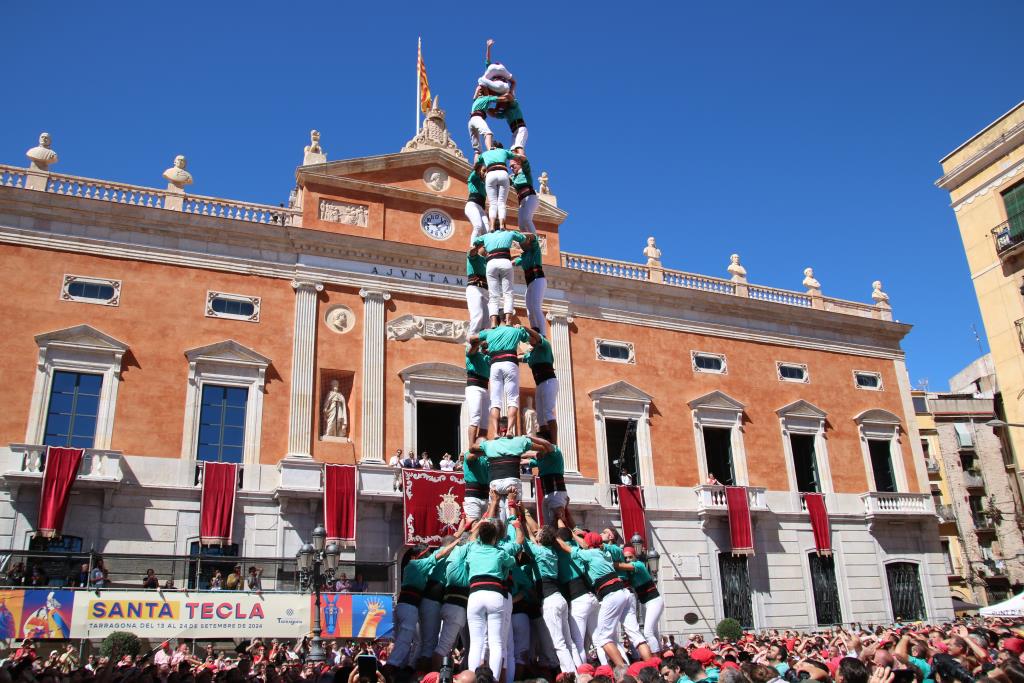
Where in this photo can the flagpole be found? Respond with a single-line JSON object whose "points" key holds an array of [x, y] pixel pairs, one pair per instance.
{"points": [[419, 59]]}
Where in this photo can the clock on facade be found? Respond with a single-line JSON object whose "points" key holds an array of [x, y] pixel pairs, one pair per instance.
{"points": [[437, 224]]}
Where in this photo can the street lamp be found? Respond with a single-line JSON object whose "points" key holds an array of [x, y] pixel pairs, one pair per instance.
{"points": [[650, 558], [317, 565]]}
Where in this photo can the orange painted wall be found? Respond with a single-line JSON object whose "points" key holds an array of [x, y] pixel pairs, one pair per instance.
{"points": [[663, 370], [161, 315]]}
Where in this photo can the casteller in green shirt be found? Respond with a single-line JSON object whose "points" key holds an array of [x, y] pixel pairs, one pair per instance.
{"points": [[488, 560], [551, 462], [499, 240], [503, 339], [496, 155], [476, 185], [417, 572], [484, 103]]}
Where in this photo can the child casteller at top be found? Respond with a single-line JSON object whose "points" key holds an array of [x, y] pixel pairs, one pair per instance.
{"points": [[495, 96]]}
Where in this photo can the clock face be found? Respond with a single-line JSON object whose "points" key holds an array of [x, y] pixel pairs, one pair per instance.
{"points": [[437, 224]]}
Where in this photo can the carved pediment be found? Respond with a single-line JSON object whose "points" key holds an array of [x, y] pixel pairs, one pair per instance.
{"points": [[434, 371], [409, 326], [877, 416], [717, 400], [227, 351], [621, 391], [83, 337], [801, 408]]}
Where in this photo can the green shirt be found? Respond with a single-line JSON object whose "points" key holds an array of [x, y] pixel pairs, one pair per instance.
{"points": [[456, 572], [508, 542], [478, 363], [521, 582], [475, 471], [487, 560], [476, 184], [417, 572], [595, 562], [524, 177], [503, 339], [531, 257], [551, 462], [505, 447], [499, 240], [615, 552], [546, 559], [511, 112], [484, 103], [476, 265], [923, 665], [497, 155], [639, 575], [568, 570], [540, 354]]}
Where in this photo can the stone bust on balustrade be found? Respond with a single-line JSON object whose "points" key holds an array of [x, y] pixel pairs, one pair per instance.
{"points": [[652, 253], [42, 156], [738, 272], [809, 282], [176, 175]]}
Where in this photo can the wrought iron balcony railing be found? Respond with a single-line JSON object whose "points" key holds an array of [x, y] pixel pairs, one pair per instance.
{"points": [[1009, 233]]}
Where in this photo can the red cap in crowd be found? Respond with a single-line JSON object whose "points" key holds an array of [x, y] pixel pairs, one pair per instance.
{"points": [[592, 539], [703, 655], [1014, 645], [604, 669], [587, 669], [730, 665], [432, 677]]}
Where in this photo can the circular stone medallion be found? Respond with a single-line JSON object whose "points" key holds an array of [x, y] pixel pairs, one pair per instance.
{"points": [[436, 178], [340, 319]]}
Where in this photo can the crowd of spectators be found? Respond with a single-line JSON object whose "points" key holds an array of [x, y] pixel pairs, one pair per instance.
{"points": [[974, 651]]}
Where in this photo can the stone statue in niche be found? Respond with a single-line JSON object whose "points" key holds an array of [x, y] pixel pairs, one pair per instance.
{"points": [[652, 253], [334, 415], [42, 156], [176, 175], [531, 425]]}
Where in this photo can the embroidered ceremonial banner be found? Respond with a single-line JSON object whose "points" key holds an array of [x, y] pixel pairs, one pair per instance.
{"points": [[217, 505], [538, 493], [432, 505], [631, 508], [340, 502], [819, 522], [59, 474], [740, 529]]}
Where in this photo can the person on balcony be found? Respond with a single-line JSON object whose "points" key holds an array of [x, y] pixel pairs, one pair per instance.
{"points": [[150, 581]]}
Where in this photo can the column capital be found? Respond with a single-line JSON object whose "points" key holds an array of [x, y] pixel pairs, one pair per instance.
{"points": [[563, 317], [305, 283], [375, 294]]}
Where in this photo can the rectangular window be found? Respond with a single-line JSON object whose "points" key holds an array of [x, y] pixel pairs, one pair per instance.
{"points": [[615, 351], [826, 589], [718, 452], [71, 413], [881, 465], [867, 380], [792, 372], [947, 558], [708, 362], [222, 423], [620, 438], [905, 594], [1013, 200], [736, 592], [920, 404], [804, 463]]}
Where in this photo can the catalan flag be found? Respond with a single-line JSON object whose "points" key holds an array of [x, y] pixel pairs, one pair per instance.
{"points": [[421, 78]]}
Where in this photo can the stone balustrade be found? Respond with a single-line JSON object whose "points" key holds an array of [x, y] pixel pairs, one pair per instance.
{"points": [[97, 464], [123, 193], [711, 498], [878, 504], [678, 278]]}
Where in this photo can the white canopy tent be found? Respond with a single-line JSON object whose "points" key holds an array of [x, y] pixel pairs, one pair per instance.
{"points": [[1014, 607]]}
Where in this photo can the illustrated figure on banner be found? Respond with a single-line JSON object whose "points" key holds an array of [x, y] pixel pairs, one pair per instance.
{"points": [[335, 414]]}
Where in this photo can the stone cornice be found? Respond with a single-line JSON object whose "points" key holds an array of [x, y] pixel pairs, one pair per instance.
{"points": [[144, 234], [984, 157]]}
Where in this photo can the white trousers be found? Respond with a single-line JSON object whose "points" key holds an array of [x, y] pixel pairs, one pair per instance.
{"points": [[527, 207], [609, 617], [476, 302], [478, 219], [430, 624], [478, 128], [485, 616], [502, 487], [630, 622], [474, 508], [547, 398], [534, 301], [479, 404], [520, 138], [556, 619], [497, 194], [407, 618], [583, 620], [504, 385], [453, 620], [652, 615], [499, 286]]}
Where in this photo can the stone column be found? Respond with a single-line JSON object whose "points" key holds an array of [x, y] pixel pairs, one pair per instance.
{"points": [[372, 436], [300, 420], [565, 409]]}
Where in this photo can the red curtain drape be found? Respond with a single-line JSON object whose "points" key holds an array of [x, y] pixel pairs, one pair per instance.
{"points": [[538, 489], [340, 502], [631, 508], [740, 529], [59, 474], [819, 522], [431, 505], [217, 505]]}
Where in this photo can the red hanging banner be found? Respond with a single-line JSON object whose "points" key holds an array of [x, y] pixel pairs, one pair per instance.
{"points": [[340, 502], [819, 522], [217, 505], [59, 474], [631, 508], [432, 505], [740, 529]]}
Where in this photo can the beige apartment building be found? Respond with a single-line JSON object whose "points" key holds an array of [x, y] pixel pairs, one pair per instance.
{"points": [[985, 180]]}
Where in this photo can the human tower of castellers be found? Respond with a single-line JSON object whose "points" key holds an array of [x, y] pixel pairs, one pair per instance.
{"points": [[527, 593]]}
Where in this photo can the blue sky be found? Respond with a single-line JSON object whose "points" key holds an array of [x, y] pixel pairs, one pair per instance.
{"points": [[795, 133]]}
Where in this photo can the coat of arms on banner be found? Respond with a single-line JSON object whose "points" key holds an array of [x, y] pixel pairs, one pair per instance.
{"points": [[432, 505]]}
